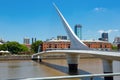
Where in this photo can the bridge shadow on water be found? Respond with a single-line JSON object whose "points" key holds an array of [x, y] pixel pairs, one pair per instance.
{"points": [[64, 69]]}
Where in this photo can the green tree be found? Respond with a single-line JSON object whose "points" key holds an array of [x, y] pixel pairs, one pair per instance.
{"points": [[0, 46], [35, 46], [23, 48], [115, 48], [14, 47], [3, 47]]}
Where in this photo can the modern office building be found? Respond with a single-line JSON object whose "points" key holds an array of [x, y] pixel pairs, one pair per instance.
{"points": [[26, 40], [34, 40], [78, 31], [104, 37], [61, 37], [116, 40]]}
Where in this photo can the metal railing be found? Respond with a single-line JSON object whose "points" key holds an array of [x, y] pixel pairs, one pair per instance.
{"points": [[91, 76]]}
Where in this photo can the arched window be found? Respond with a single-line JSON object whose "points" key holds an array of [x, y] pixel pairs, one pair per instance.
{"points": [[55, 45], [100, 45]]}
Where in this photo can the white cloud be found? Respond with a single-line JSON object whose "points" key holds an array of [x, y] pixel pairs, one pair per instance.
{"points": [[108, 31], [101, 31], [112, 30], [99, 9], [116, 30]]}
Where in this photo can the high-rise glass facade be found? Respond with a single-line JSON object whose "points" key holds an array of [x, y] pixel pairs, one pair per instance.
{"points": [[78, 31], [26, 41], [62, 37], [105, 36], [116, 40]]}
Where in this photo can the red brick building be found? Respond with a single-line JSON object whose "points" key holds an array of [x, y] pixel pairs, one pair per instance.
{"points": [[118, 47], [98, 45], [65, 44], [55, 44]]}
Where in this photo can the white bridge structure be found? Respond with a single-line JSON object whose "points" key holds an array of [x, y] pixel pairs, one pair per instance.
{"points": [[111, 60]]}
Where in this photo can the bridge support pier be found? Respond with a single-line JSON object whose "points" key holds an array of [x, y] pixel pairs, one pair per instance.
{"points": [[111, 67], [107, 68], [39, 59], [34, 58], [116, 69], [72, 60]]}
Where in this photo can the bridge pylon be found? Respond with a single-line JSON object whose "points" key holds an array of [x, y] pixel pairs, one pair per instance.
{"points": [[72, 60]]}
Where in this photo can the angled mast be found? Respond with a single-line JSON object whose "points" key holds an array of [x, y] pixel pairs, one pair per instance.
{"points": [[76, 43]]}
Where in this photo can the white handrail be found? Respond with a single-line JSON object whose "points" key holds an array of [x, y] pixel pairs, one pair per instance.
{"points": [[74, 76]]}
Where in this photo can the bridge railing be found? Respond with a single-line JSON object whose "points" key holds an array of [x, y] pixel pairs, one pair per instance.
{"points": [[56, 49], [91, 76]]}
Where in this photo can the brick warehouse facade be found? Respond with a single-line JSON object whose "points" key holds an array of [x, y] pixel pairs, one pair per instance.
{"points": [[98, 45], [65, 44], [55, 44]]}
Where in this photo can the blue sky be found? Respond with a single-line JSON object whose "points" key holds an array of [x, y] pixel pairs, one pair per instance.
{"points": [[38, 18]]}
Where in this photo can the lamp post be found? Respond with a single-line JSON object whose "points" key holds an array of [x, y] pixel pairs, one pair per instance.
{"points": [[39, 57], [39, 48]]}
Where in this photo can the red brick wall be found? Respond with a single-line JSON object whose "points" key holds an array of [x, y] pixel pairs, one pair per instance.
{"points": [[63, 45]]}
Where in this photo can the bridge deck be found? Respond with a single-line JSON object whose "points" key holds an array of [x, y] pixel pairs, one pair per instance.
{"points": [[99, 54]]}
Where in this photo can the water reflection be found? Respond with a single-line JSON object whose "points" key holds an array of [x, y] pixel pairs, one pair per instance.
{"points": [[25, 69], [86, 66], [52, 67]]}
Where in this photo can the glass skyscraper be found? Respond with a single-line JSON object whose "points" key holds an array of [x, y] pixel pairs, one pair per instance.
{"points": [[26, 41], [78, 31], [62, 37], [105, 36]]}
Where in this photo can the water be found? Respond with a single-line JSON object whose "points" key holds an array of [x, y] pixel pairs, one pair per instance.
{"points": [[52, 67]]}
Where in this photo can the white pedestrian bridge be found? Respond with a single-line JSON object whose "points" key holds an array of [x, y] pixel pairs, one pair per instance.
{"points": [[100, 54], [111, 60]]}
